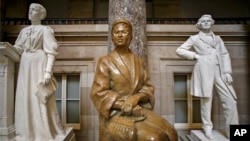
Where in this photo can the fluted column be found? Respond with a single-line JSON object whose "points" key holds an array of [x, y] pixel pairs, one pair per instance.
{"points": [[135, 12]]}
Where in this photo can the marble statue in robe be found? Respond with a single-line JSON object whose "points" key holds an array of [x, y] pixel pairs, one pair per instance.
{"points": [[36, 115], [124, 96]]}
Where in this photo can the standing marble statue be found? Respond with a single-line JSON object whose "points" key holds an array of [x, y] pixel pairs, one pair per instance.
{"points": [[212, 70], [36, 115], [123, 94]]}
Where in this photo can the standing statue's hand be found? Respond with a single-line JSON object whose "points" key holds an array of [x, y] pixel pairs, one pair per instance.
{"points": [[196, 56], [128, 105], [227, 78], [47, 78]]}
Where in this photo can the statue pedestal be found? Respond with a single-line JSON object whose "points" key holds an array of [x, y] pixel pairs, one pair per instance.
{"points": [[198, 135], [8, 57], [69, 135]]}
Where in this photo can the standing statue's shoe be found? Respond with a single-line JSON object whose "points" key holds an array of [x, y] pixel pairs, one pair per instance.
{"points": [[227, 132], [208, 134]]}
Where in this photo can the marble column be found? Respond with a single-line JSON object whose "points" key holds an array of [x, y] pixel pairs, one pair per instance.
{"points": [[135, 11], [8, 57]]}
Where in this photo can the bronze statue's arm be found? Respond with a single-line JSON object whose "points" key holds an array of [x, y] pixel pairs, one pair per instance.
{"points": [[118, 104]]}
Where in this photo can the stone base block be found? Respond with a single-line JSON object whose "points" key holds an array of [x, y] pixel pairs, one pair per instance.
{"points": [[198, 135], [10, 137], [7, 134], [69, 135]]}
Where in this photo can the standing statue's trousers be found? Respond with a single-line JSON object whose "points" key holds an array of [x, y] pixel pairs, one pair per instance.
{"points": [[228, 103]]}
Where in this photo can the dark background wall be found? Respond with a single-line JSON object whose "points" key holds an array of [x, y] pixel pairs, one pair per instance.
{"points": [[155, 8]]}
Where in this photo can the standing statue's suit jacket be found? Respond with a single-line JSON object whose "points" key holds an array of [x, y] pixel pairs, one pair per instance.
{"points": [[212, 54]]}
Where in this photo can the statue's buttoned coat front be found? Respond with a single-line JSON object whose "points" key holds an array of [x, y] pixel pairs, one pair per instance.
{"points": [[212, 54]]}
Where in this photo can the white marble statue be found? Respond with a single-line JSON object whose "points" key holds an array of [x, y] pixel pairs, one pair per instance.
{"points": [[212, 70], [36, 115]]}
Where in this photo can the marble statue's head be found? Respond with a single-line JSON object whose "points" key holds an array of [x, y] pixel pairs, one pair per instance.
{"points": [[121, 33], [205, 17], [37, 12]]}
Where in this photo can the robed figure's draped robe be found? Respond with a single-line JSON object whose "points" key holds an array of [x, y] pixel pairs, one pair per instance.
{"points": [[35, 120], [115, 80]]}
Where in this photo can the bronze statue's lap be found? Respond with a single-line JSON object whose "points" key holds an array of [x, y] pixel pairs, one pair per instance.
{"points": [[147, 132], [155, 127]]}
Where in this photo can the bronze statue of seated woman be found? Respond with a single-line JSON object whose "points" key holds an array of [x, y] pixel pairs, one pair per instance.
{"points": [[123, 94]]}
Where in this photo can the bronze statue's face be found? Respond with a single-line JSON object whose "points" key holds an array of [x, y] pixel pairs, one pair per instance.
{"points": [[121, 35]]}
